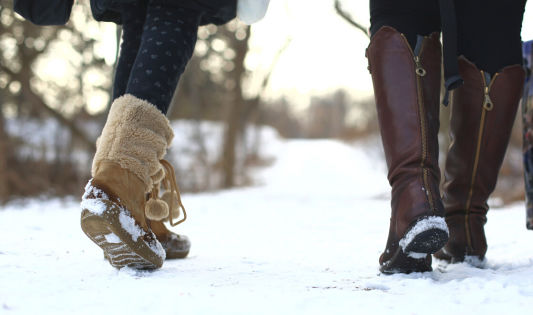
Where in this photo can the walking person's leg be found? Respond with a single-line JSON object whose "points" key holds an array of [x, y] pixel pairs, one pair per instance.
{"points": [[483, 113], [168, 39], [128, 164], [133, 16], [405, 62]]}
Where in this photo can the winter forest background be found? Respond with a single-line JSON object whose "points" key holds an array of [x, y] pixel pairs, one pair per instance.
{"points": [[289, 74], [278, 153]]}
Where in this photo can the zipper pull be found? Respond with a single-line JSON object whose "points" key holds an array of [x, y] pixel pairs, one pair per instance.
{"points": [[487, 103], [419, 69]]}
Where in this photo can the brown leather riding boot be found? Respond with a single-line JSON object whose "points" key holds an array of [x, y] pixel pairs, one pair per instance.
{"points": [[407, 92], [483, 113]]}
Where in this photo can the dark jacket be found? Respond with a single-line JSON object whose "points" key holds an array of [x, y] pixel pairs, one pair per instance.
{"points": [[50, 12], [57, 12], [214, 11]]}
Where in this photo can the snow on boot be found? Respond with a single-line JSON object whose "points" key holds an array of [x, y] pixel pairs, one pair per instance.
{"points": [[127, 161], [483, 113], [407, 92]]}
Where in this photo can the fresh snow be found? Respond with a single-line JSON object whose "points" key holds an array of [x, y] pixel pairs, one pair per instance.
{"points": [[95, 206], [129, 225], [305, 240], [112, 238], [416, 255]]}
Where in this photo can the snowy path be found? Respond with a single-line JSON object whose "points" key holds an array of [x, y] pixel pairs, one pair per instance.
{"points": [[305, 242]]}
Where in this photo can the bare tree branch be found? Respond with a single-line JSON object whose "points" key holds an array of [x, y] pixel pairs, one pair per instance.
{"points": [[253, 104], [349, 19], [35, 99], [280, 52], [71, 125]]}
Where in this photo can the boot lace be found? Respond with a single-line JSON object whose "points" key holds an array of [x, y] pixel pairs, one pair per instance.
{"points": [[170, 184]]}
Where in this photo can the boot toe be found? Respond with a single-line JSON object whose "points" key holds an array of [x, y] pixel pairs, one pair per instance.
{"points": [[176, 246]]}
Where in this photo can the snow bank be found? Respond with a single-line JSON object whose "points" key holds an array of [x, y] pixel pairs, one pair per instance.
{"points": [[195, 151]]}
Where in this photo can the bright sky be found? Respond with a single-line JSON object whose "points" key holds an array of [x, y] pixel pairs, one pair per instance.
{"points": [[325, 53]]}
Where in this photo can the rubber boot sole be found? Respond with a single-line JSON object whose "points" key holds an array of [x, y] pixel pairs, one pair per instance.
{"points": [[177, 255], [171, 253], [138, 250], [426, 237]]}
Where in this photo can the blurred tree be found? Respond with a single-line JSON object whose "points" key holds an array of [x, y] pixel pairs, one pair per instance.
{"points": [[46, 74], [4, 192], [62, 73], [212, 88], [52, 71], [326, 116]]}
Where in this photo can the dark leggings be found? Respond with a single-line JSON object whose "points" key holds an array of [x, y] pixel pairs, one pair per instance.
{"points": [[158, 40], [488, 31]]}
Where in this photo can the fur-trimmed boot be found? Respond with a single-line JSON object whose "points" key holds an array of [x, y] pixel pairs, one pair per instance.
{"points": [[125, 170], [407, 92], [483, 113]]}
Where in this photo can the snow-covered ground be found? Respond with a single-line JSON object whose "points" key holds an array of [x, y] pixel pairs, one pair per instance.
{"points": [[305, 241]]}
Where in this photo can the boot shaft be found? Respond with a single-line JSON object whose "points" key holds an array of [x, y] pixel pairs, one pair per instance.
{"points": [[406, 88], [127, 161], [483, 113], [407, 91], [136, 136]]}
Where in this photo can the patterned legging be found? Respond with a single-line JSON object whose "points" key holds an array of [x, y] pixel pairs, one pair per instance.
{"points": [[158, 40]]}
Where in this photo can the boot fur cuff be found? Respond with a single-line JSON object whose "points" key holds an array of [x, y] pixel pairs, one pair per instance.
{"points": [[136, 136]]}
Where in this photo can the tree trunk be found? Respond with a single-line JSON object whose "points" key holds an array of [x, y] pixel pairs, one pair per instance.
{"points": [[4, 192], [236, 111]]}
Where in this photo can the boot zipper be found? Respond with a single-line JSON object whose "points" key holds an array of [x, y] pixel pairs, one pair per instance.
{"points": [[488, 105], [421, 72]]}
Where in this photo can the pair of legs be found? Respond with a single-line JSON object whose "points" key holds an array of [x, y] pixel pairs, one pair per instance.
{"points": [[405, 63], [158, 39], [123, 211], [488, 32]]}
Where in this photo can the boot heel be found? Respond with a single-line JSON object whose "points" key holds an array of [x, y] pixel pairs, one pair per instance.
{"points": [[123, 246], [406, 263]]}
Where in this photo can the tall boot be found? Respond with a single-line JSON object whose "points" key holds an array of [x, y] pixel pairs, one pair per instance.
{"points": [[407, 92], [483, 113], [126, 168]]}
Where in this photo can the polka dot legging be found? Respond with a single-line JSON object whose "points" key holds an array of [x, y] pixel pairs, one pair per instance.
{"points": [[158, 40]]}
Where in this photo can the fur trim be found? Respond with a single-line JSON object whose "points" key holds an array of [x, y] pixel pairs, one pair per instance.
{"points": [[136, 136]]}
